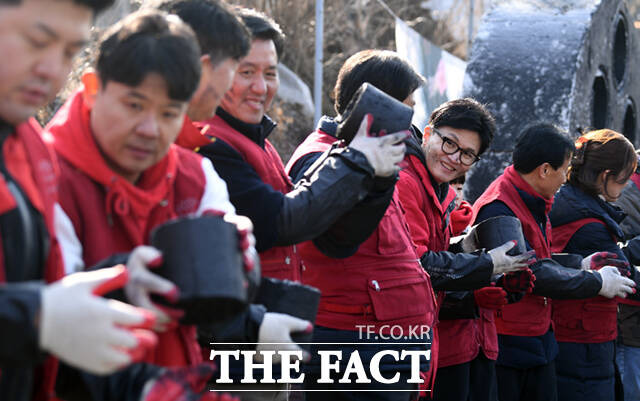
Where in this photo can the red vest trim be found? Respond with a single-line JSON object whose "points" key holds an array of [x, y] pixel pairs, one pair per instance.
{"points": [[382, 284], [591, 320], [532, 315], [282, 262]]}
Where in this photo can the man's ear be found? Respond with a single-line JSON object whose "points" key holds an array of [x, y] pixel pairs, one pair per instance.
{"points": [[544, 169], [205, 65], [92, 85]]}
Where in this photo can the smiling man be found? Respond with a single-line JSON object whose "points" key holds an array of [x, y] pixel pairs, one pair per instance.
{"points": [[235, 140], [459, 131]]}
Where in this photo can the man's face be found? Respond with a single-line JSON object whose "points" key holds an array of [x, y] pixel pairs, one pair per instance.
{"points": [[444, 167], [554, 179], [134, 126], [214, 83], [255, 84], [38, 40]]}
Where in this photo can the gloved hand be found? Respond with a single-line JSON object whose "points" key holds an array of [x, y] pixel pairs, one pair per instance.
{"points": [[246, 242], [613, 284], [90, 332], [503, 263], [490, 297], [183, 384], [142, 283], [275, 334], [520, 281], [384, 152], [598, 260]]}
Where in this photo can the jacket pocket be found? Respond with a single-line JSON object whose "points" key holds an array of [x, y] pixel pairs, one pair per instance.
{"points": [[400, 296], [600, 316], [531, 309]]}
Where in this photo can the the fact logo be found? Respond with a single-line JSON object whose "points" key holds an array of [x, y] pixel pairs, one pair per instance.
{"points": [[354, 371]]}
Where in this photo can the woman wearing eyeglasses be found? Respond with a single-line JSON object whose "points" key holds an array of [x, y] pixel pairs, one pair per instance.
{"points": [[458, 132]]}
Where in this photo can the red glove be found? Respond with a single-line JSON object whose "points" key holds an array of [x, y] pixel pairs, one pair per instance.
{"points": [[598, 260], [185, 384], [490, 297], [520, 281]]}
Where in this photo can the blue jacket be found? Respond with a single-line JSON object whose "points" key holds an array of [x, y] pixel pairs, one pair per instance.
{"points": [[572, 204]]}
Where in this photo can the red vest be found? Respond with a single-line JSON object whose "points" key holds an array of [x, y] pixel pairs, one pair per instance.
{"points": [[111, 215], [32, 164], [382, 284], [532, 315], [282, 262], [460, 340], [592, 320]]}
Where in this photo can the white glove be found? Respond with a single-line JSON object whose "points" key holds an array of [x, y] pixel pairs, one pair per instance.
{"points": [[503, 263], [383, 153], [614, 284], [277, 328], [142, 283], [87, 331]]}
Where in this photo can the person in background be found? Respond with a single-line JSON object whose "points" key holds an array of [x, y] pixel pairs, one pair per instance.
{"points": [[462, 215], [525, 368], [584, 221], [628, 343]]}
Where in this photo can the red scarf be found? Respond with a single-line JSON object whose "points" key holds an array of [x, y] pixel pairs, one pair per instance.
{"points": [[74, 141]]}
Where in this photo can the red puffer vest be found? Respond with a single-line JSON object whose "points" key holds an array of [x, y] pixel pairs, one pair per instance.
{"points": [[32, 164], [282, 262], [460, 340], [382, 285], [592, 320], [110, 215], [532, 315]]}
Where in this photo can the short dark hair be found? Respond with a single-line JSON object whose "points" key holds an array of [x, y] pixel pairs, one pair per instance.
{"points": [[541, 143], [262, 27], [95, 5], [220, 32], [459, 180], [384, 69], [151, 42], [466, 114], [597, 151]]}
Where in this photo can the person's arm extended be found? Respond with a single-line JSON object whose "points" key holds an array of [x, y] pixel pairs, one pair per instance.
{"points": [[342, 179], [345, 235]]}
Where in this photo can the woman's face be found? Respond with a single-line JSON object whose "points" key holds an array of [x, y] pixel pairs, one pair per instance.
{"points": [[611, 187]]}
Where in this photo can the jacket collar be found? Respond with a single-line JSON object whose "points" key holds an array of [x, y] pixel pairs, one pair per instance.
{"points": [[573, 204], [256, 132]]}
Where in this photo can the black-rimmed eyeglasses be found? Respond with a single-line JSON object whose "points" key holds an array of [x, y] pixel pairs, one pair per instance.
{"points": [[449, 147]]}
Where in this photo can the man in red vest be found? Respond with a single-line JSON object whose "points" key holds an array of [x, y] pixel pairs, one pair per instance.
{"points": [[121, 177], [527, 346], [459, 132], [38, 40], [235, 140]]}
